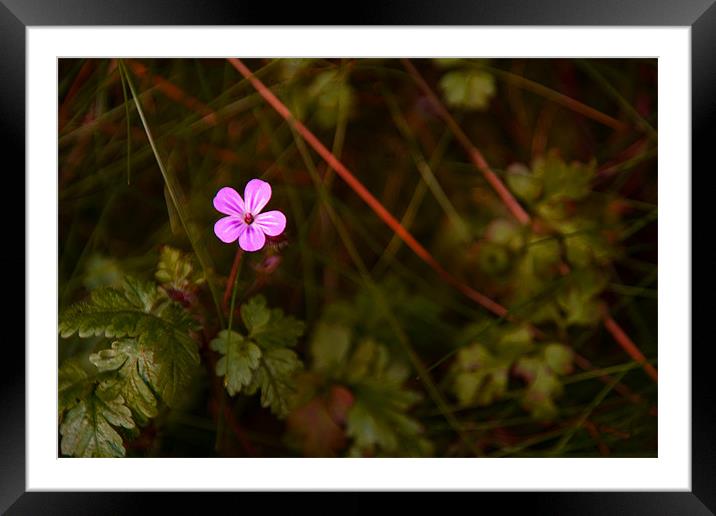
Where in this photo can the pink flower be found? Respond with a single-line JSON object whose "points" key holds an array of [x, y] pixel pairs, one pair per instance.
{"points": [[245, 221]]}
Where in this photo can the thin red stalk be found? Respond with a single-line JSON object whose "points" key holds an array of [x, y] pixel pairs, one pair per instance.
{"points": [[363, 192], [596, 436], [628, 345], [232, 276], [511, 203], [474, 154], [374, 203]]}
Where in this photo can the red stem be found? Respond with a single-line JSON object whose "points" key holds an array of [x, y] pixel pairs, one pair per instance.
{"points": [[232, 276], [363, 192], [474, 154], [628, 345]]}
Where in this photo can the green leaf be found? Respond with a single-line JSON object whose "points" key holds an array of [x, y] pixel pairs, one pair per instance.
{"points": [[379, 425], [329, 347], [74, 384], [559, 358], [515, 342], [136, 310], [240, 358], [88, 429], [468, 89], [480, 376], [177, 270], [543, 385], [270, 328], [275, 379], [523, 183], [135, 367], [255, 313], [560, 179]]}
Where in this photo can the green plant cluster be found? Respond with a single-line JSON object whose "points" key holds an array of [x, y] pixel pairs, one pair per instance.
{"points": [[340, 338]]}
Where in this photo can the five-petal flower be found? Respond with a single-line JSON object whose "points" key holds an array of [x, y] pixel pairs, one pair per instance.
{"points": [[244, 220]]}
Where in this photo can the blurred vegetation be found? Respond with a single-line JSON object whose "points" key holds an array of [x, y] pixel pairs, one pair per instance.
{"points": [[336, 339]]}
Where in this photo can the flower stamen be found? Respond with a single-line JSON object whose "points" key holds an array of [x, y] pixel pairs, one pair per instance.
{"points": [[248, 218]]}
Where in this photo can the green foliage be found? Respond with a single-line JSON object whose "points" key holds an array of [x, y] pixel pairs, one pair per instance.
{"points": [[74, 383], [178, 270], [377, 421], [261, 361], [130, 374], [88, 429], [420, 316], [138, 309], [541, 372], [275, 379], [136, 371], [154, 357], [240, 360], [482, 370], [468, 89]]}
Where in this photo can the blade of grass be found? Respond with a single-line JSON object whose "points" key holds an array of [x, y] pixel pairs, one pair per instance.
{"points": [[473, 152], [129, 129], [347, 241], [203, 259], [426, 171], [639, 120], [364, 194]]}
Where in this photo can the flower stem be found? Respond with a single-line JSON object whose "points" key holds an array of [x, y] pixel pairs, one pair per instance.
{"points": [[235, 272]]}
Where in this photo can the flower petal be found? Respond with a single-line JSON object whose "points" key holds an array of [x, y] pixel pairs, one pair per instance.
{"points": [[229, 202], [252, 239], [228, 229], [271, 222], [257, 194]]}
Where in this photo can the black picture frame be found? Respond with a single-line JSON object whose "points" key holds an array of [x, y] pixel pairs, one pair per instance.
{"points": [[17, 15]]}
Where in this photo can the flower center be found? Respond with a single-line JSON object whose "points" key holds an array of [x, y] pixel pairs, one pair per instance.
{"points": [[248, 218]]}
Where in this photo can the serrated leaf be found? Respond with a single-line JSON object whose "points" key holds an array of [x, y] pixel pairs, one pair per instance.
{"points": [[73, 384], [160, 325], [177, 270], [275, 379], [379, 424], [270, 328], [88, 429], [469, 89], [255, 313], [135, 367], [240, 359]]}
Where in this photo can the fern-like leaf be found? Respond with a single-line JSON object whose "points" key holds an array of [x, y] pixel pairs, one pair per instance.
{"points": [[138, 310], [135, 366], [88, 428]]}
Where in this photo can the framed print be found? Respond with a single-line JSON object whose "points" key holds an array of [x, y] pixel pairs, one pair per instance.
{"points": [[422, 249]]}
